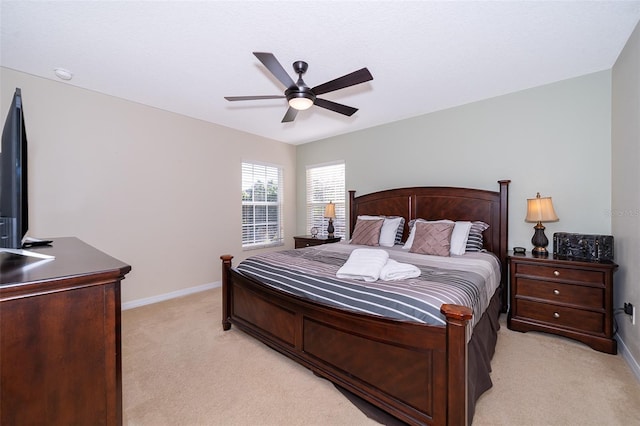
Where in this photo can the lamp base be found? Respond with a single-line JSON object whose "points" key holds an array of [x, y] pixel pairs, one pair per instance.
{"points": [[330, 229], [539, 241], [540, 252]]}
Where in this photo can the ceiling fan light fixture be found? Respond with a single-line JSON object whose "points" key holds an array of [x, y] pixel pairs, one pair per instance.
{"points": [[301, 101]]}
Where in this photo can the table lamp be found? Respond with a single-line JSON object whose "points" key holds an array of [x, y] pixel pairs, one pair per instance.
{"points": [[540, 209], [330, 212]]}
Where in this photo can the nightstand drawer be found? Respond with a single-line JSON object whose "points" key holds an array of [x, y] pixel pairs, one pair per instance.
{"points": [[309, 243], [560, 273], [554, 292], [302, 241], [560, 316]]}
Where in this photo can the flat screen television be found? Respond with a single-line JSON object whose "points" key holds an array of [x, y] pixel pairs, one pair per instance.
{"points": [[14, 209]]}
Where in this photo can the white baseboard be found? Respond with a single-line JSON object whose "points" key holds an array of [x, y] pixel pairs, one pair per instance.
{"points": [[628, 357], [162, 297]]}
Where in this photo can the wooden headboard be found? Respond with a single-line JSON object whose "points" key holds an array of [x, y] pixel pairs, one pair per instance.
{"points": [[439, 202]]}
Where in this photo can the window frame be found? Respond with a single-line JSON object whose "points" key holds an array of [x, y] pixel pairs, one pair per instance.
{"points": [[331, 192], [251, 223]]}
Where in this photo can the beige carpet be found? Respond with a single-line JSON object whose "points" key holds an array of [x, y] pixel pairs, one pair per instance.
{"points": [[180, 368]]}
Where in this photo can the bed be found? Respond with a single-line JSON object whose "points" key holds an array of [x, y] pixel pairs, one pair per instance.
{"points": [[416, 372]]}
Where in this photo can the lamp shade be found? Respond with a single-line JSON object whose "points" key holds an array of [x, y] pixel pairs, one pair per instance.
{"points": [[330, 210], [540, 209]]}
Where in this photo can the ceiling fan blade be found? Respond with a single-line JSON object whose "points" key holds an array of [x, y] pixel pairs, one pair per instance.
{"points": [[333, 106], [290, 115], [352, 79], [252, 98], [276, 69]]}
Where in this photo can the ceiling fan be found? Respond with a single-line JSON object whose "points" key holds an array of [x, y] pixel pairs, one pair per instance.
{"points": [[299, 95]]}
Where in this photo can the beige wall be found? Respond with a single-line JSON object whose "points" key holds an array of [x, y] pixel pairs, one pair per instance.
{"points": [[155, 189], [626, 187], [555, 139]]}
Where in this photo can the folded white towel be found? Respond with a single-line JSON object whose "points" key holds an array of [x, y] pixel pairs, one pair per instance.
{"points": [[364, 264], [394, 270]]}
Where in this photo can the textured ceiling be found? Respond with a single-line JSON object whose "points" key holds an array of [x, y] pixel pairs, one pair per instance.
{"points": [[185, 56]]}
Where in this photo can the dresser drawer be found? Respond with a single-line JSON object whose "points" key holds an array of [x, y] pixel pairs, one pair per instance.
{"points": [[555, 292], [560, 316], [560, 273]]}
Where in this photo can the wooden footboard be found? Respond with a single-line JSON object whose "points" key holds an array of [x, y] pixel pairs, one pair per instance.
{"points": [[417, 373]]}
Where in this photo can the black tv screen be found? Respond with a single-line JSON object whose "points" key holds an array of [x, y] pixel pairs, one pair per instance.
{"points": [[14, 211]]}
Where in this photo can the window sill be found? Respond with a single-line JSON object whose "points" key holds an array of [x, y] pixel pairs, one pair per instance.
{"points": [[262, 246]]}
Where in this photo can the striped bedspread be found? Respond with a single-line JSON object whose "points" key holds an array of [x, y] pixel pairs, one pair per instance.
{"points": [[468, 280]]}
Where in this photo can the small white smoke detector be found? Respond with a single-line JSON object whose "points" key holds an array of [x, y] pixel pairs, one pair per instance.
{"points": [[63, 74]]}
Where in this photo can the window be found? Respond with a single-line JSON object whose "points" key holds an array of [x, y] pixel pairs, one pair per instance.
{"points": [[261, 205], [325, 183]]}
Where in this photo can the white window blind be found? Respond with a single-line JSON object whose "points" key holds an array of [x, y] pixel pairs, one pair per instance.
{"points": [[261, 205], [325, 183]]}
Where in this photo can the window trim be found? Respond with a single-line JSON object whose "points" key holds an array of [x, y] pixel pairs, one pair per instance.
{"points": [[338, 198], [276, 242]]}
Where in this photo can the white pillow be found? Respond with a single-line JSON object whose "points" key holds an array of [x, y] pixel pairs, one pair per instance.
{"points": [[388, 231], [459, 235]]}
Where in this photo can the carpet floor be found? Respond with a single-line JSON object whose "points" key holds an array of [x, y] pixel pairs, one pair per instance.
{"points": [[180, 368]]}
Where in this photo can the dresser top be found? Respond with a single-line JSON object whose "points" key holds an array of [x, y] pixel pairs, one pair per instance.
{"points": [[73, 259]]}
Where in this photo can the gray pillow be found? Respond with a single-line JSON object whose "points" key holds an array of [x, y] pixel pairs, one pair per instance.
{"points": [[475, 242]]}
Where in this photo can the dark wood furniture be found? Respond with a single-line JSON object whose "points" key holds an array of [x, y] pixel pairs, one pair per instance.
{"points": [[302, 241], [60, 337], [566, 297], [416, 372]]}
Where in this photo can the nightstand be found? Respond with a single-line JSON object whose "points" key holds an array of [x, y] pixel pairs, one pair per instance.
{"points": [[303, 241], [570, 298]]}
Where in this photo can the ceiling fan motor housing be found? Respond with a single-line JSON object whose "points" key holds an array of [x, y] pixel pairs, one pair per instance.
{"points": [[299, 92]]}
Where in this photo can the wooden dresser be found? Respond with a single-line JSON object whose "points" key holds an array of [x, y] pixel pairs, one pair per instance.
{"points": [[60, 337], [565, 297], [303, 241]]}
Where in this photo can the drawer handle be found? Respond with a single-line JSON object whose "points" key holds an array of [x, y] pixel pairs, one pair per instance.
{"points": [[556, 315], [556, 292], [556, 273]]}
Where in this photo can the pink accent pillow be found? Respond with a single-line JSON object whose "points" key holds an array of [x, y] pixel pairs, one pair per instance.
{"points": [[367, 232], [432, 238]]}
